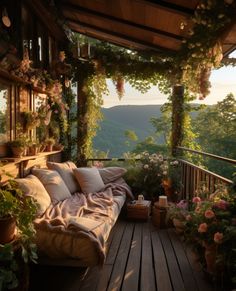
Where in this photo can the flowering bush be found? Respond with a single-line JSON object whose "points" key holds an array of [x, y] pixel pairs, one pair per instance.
{"points": [[210, 225], [146, 176]]}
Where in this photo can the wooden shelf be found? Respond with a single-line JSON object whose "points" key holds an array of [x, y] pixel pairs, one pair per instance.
{"points": [[27, 158], [10, 77]]}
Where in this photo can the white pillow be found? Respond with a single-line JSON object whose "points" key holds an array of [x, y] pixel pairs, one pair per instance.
{"points": [[53, 183], [66, 172], [89, 179], [111, 174], [31, 186]]}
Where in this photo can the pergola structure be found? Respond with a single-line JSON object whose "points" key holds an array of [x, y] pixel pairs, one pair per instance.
{"points": [[139, 24]]}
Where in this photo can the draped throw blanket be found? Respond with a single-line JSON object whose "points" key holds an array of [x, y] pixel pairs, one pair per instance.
{"points": [[78, 227]]}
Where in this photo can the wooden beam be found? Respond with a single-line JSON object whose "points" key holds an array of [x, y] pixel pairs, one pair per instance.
{"points": [[86, 28], [88, 12], [170, 7], [46, 16]]}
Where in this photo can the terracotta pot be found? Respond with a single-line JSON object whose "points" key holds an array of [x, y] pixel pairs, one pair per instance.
{"points": [[7, 229], [210, 257], [18, 152], [49, 147], [179, 225]]}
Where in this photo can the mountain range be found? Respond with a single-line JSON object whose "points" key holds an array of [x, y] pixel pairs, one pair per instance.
{"points": [[111, 138]]}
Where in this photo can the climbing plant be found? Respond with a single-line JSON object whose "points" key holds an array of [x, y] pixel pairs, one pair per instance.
{"points": [[200, 52]]}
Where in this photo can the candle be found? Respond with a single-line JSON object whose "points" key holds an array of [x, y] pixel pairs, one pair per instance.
{"points": [[163, 201]]}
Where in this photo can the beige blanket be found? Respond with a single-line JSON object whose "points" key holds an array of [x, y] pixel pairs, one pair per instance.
{"points": [[79, 226]]}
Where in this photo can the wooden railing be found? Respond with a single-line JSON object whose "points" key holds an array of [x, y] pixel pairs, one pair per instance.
{"points": [[192, 176]]}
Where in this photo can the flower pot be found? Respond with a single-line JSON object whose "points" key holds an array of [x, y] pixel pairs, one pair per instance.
{"points": [[179, 225], [7, 229], [49, 148], [210, 257], [18, 152]]}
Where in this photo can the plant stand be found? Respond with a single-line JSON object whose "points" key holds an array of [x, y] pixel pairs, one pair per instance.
{"points": [[159, 215]]}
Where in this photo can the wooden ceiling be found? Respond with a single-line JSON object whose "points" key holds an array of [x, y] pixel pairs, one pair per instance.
{"points": [[137, 24]]}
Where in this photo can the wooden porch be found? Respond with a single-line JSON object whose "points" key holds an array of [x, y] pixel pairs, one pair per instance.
{"points": [[139, 257]]}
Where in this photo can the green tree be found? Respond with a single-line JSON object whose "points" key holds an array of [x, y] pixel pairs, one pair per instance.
{"points": [[216, 130]]}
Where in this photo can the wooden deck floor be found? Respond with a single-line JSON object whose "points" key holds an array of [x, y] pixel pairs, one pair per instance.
{"points": [[139, 257]]}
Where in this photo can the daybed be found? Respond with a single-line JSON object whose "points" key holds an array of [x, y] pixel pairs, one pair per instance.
{"points": [[77, 208]]}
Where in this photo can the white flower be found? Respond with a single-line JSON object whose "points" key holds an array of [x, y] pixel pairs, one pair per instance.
{"points": [[146, 166], [165, 173]]}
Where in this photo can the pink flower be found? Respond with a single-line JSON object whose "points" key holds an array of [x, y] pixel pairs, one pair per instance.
{"points": [[218, 236], [183, 204], [222, 204], [197, 209], [209, 214], [196, 199], [202, 227]]}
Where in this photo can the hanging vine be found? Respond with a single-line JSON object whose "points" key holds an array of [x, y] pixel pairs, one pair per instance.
{"points": [[200, 52]]}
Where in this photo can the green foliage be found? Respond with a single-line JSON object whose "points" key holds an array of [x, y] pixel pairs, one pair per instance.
{"points": [[216, 130]]}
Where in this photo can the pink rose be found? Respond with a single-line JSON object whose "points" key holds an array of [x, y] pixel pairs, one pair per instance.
{"points": [[222, 204], [209, 214], [202, 227], [218, 236], [196, 199]]}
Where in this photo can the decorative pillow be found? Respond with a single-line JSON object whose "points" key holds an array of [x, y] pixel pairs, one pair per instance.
{"points": [[31, 186], [110, 174], [53, 183], [89, 179], [66, 172]]}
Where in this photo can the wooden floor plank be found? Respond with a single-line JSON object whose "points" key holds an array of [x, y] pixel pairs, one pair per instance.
{"points": [[121, 259], [131, 279], [139, 258], [202, 283], [104, 278], [91, 280], [175, 275], [185, 268], [147, 280], [161, 269], [114, 246]]}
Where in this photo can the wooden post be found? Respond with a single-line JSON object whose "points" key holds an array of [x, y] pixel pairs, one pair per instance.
{"points": [[82, 122], [177, 118]]}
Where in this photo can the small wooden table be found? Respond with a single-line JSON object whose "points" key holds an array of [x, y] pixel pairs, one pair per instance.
{"points": [[139, 211]]}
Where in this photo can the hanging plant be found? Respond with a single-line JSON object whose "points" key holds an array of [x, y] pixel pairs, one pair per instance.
{"points": [[119, 82]]}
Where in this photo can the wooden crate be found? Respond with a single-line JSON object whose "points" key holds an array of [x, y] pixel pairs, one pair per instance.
{"points": [[139, 211]]}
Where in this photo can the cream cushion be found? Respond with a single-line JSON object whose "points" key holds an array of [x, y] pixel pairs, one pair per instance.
{"points": [[89, 179], [111, 174], [53, 183], [66, 172], [31, 186]]}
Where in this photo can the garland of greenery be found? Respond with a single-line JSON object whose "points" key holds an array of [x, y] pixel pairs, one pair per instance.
{"points": [[191, 66]]}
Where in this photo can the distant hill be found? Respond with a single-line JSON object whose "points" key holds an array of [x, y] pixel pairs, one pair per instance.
{"points": [[110, 138]]}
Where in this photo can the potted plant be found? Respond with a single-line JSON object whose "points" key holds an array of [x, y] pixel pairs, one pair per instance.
{"points": [[18, 147], [50, 141], [30, 120], [17, 245], [34, 148]]}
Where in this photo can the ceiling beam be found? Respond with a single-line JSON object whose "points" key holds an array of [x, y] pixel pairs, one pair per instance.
{"points": [[170, 6], [85, 28], [88, 12]]}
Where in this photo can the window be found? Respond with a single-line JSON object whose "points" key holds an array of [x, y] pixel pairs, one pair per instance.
{"points": [[4, 114]]}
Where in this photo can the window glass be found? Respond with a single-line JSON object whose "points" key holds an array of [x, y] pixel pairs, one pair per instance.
{"points": [[4, 113]]}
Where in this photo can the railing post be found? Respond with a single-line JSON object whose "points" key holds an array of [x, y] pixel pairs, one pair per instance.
{"points": [[177, 118]]}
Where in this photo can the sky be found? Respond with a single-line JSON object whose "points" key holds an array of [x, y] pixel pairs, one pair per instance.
{"points": [[223, 82]]}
